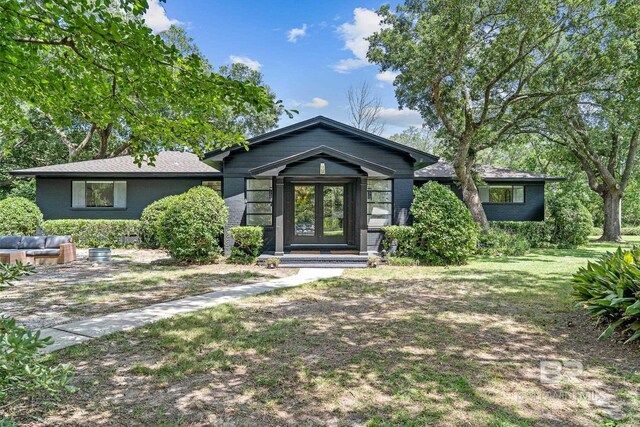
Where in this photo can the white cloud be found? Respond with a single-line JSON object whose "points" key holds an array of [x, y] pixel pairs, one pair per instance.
{"points": [[251, 63], [156, 17], [317, 103], [400, 118], [387, 76], [365, 23], [295, 33]]}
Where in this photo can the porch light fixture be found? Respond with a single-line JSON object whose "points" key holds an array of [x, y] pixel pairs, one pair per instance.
{"points": [[322, 168]]}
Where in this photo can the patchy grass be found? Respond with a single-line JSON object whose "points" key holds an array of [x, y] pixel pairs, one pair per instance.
{"points": [[379, 347], [59, 294]]}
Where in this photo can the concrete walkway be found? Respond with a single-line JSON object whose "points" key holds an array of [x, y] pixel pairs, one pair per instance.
{"points": [[73, 333]]}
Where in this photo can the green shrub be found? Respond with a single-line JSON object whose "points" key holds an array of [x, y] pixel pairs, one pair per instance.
{"points": [[571, 221], [500, 242], [629, 231], [11, 272], [192, 228], [247, 244], [402, 261], [610, 290], [19, 216], [398, 240], [150, 221], [445, 232], [22, 370], [537, 233], [112, 233]]}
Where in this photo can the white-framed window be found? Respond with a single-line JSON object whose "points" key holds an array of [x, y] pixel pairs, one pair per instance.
{"points": [[99, 194], [379, 202], [502, 194], [259, 197], [214, 185]]}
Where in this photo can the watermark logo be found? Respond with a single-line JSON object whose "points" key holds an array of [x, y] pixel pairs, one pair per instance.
{"points": [[559, 371]]}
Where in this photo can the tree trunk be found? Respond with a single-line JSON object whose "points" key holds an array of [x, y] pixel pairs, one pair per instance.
{"points": [[611, 230], [470, 195]]}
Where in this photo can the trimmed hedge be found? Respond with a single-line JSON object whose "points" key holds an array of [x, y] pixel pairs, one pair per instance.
{"points": [[247, 244], [111, 233], [19, 216], [629, 231], [150, 221], [192, 227], [445, 232], [538, 234], [500, 242], [398, 240]]}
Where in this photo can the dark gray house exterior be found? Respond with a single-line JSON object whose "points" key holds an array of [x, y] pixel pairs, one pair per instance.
{"points": [[318, 184]]}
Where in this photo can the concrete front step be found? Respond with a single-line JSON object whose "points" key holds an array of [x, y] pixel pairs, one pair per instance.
{"points": [[319, 260]]}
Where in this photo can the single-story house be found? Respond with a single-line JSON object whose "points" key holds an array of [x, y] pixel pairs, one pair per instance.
{"points": [[317, 184]]}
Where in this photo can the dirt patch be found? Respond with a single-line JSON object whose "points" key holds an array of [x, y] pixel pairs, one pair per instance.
{"points": [[62, 293]]}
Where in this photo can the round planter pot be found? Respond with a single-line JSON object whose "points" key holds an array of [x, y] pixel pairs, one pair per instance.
{"points": [[100, 255]]}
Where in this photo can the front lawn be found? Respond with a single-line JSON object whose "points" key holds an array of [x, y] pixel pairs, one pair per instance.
{"points": [[387, 346]]}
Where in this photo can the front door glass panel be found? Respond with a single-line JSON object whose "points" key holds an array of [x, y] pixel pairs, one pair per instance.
{"points": [[304, 210], [333, 210]]}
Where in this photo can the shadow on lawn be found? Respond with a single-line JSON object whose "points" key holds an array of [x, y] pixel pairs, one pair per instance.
{"points": [[352, 351]]}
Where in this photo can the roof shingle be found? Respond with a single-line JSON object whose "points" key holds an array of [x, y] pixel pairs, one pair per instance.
{"points": [[443, 170]]}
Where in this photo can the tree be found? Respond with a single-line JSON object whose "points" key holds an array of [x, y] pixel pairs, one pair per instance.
{"points": [[418, 138], [600, 126], [96, 67], [476, 70], [364, 109]]}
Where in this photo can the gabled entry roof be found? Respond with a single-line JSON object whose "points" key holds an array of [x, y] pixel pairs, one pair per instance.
{"points": [[370, 167], [320, 121]]}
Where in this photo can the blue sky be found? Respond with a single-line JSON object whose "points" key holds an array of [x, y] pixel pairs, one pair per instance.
{"points": [[310, 52]]}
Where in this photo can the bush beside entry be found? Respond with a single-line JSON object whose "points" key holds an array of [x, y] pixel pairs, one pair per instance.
{"points": [[445, 232], [112, 233], [192, 227], [150, 221], [247, 244], [19, 216]]}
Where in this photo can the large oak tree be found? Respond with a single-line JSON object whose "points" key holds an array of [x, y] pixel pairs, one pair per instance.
{"points": [[94, 65], [477, 70]]}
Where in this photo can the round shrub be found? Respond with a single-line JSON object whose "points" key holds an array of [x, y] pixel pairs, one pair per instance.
{"points": [[571, 221], [19, 216], [498, 242], [445, 232], [150, 221], [192, 227], [247, 244]]}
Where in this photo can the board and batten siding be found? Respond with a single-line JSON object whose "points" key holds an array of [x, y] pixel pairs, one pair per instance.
{"points": [[54, 196]]}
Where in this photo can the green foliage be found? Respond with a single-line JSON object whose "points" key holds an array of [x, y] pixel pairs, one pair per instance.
{"points": [[11, 272], [19, 216], [610, 290], [112, 233], [22, 370], [629, 231], [150, 221], [135, 87], [247, 244], [571, 221], [445, 232], [192, 228], [399, 240], [538, 234], [499, 242], [24, 188], [399, 261]]}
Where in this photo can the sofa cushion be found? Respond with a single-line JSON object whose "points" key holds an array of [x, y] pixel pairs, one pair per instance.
{"points": [[54, 242], [32, 242], [10, 242], [43, 252], [10, 251]]}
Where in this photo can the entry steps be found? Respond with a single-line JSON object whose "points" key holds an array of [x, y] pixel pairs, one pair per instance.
{"points": [[318, 260]]}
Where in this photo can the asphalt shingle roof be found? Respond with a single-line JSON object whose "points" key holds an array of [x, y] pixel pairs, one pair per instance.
{"points": [[444, 170], [166, 163]]}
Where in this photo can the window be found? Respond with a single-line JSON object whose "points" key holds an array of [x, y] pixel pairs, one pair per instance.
{"points": [[379, 202], [214, 185], [99, 194], [259, 195], [502, 194]]}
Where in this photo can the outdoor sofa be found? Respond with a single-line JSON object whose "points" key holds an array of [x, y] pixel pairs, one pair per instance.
{"points": [[37, 249]]}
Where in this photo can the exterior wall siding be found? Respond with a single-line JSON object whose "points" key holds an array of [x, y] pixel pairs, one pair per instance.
{"points": [[53, 196]]}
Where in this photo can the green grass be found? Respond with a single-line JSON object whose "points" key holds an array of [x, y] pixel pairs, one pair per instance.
{"points": [[389, 346]]}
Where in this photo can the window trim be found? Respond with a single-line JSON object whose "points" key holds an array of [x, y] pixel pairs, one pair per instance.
{"points": [[114, 182], [247, 202], [391, 203], [214, 180], [513, 186]]}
